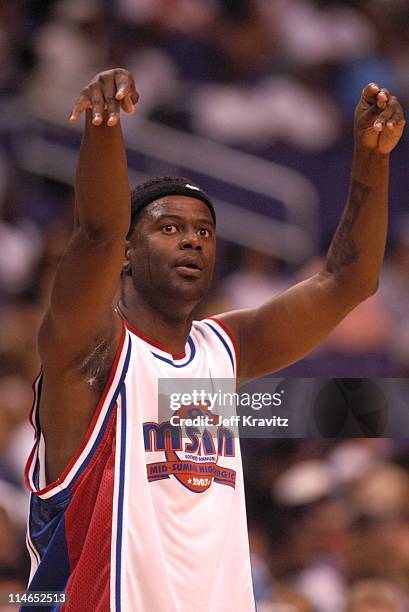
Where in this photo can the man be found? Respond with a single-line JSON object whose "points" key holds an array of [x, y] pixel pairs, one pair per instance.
{"points": [[124, 513]]}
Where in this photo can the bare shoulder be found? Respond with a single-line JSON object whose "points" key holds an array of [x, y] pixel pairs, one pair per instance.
{"points": [[234, 322], [70, 395]]}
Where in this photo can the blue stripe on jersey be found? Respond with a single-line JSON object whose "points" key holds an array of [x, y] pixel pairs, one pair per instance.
{"points": [[54, 571], [120, 502], [36, 472], [107, 417], [45, 516], [175, 365], [226, 346]]}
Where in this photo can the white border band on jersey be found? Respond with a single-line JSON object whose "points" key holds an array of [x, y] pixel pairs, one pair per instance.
{"points": [[34, 554]]}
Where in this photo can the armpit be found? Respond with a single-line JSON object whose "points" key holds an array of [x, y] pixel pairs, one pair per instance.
{"points": [[95, 367]]}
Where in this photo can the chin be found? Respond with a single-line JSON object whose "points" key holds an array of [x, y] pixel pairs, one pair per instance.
{"points": [[192, 295], [189, 292]]}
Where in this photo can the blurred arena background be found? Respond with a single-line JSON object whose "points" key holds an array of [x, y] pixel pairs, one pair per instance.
{"points": [[254, 100]]}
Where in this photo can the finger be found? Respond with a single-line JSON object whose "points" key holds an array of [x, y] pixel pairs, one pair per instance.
{"points": [[126, 87], [382, 98], [97, 104], [396, 120], [124, 83], [370, 92], [134, 96], [80, 106], [111, 106], [387, 114], [127, 105]]}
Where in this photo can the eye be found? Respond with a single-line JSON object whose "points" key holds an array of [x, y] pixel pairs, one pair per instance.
{"points": [[169, 228], [204, 233]]}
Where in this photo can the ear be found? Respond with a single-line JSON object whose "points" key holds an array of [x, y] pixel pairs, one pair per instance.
{"points": [[126, 264]]}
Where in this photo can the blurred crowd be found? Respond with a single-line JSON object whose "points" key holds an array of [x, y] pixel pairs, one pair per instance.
{"points": [[329, 524], [329, 521]]}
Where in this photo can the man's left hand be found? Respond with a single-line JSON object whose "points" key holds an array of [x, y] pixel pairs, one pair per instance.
{"points": [[379, 120]]}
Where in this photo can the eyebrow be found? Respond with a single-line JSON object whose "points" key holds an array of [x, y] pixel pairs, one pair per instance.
{"points": [[163, 216]]}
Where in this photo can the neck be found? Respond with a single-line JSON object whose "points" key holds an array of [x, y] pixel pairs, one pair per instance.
{"points": [[167, 324]]}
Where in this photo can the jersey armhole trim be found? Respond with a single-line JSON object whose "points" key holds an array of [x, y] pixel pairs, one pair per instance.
{"points": [[34, 388], [226, 338], [58, 483], [232, 340]]}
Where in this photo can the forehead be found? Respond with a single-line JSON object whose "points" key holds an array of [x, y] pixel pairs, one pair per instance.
{"points": [[183, 206]]}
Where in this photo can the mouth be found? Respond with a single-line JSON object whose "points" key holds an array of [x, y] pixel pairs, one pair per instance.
{"points": [[189, 268]]}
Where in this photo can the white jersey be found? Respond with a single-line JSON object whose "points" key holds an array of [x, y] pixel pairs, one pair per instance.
{"points": [[145, 518]]}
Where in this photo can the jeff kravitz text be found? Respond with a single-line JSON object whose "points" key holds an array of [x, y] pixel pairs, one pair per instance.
{"points": [[231, 421]]}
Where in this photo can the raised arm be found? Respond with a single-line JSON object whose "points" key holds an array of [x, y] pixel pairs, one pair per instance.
{"points": [[80, 310], [81, 331], [289, 326]]}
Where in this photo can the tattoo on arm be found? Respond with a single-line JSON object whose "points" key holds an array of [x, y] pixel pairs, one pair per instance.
{"points": [[343, 250]]}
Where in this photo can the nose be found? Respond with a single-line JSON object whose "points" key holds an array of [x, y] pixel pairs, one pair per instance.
{"points": [[191, 241]]}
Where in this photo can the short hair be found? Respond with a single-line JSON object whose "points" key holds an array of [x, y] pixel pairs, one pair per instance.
{"points": [[158, 187]]}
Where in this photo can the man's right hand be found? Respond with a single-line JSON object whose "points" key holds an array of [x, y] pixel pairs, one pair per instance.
{"points": [[105, 95]]}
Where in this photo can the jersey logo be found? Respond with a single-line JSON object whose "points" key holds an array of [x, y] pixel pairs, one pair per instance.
{"points": [[200, 446]]}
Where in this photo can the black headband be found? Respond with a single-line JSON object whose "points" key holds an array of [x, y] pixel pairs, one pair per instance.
{"points": [[169, 186]]}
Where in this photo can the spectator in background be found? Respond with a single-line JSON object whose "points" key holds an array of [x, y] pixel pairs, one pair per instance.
{"points": [[379, 530], [316, 535], [286, 600], [374, 596], [20, 239], [15, 397], [336, 514], [257, 278], [13, 517], [69, 46]]}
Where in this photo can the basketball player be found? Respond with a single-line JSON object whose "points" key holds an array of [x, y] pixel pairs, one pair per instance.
{"points": [[126, 513]]}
